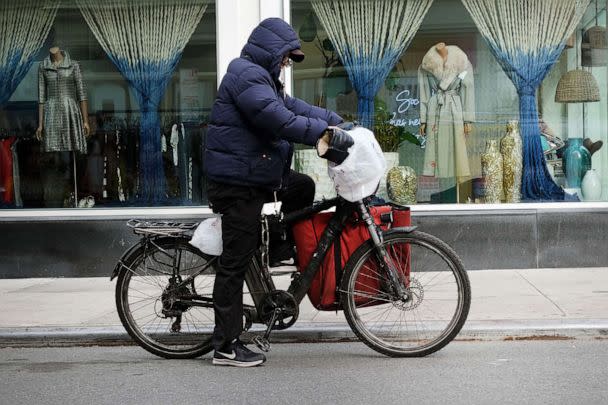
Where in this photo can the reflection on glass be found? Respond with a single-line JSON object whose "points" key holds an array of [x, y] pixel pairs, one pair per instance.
{"points": [[107, 115], [440, 121]]}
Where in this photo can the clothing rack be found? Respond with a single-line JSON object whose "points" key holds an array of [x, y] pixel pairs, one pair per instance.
{"points": [[8, 133]]}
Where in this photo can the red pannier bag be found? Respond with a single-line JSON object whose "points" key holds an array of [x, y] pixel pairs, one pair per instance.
{"points": [[307, 233]]}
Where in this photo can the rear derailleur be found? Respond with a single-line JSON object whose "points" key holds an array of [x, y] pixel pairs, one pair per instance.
{"points": [[172, 305]]}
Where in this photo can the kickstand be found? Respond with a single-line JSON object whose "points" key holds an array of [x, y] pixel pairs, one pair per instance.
{"points": [[263, 342]]}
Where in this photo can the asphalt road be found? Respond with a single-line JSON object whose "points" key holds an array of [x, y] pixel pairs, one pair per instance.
{"points": [[526, 372]]}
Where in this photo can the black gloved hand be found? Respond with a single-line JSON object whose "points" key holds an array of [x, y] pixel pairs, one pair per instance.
{"points": [[333, 145]]}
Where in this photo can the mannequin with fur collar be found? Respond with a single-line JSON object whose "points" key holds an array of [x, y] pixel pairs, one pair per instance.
{"points": [[447, 110]]}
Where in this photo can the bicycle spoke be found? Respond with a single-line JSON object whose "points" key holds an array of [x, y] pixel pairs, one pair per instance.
{"points": [[414, 325], [154, 284]]}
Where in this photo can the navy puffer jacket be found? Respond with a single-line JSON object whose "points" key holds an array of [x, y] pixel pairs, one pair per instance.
{"points": [[253, 122]]}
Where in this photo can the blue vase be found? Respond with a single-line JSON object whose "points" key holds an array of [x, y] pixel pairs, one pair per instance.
{"points": [[576, 160]]}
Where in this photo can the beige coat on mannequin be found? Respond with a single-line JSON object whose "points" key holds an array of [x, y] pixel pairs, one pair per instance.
{"points": [[447, 103]]}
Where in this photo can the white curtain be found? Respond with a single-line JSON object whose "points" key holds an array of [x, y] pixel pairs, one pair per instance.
{"points": [[369, 37], [145, 40], [24, 26], [527, 37]]}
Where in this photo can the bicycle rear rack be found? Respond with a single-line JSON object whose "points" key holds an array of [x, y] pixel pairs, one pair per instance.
{"points": [[161, 228]]}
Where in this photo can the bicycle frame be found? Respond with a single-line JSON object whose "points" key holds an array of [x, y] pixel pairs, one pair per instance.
{"points": [[182, 275], [258, 278]]}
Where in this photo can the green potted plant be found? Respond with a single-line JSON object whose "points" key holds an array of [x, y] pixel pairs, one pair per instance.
{"points": [[390, 137]]}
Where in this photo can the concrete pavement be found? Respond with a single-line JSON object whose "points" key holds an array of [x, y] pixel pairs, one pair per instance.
{"points": [[507, 304], [467, 373]]}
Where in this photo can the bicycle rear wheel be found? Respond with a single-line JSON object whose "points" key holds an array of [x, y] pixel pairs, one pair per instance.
{"points": [[150, 305], [439, 289]]}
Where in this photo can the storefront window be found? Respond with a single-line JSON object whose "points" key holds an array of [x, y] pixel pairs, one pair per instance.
{"points": [[112, 104], [449, 113]]}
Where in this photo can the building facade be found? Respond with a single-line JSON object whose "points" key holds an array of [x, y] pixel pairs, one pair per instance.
{"points": [[492, 119]]}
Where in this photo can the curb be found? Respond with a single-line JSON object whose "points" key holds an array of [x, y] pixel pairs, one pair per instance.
{"points": [[505, 330]]}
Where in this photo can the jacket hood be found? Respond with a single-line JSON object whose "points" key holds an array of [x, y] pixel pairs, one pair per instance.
{"points": [[268, 42]]}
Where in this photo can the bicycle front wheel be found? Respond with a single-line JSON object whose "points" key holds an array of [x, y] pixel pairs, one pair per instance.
{"points": [[155, 309], [438, 288]]}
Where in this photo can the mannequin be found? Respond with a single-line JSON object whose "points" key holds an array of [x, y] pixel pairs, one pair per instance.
{"points": [[447, 111], [62, 121], [62, 104]]}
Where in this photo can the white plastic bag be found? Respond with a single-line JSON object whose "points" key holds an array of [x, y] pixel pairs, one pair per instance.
{"points": [[358, 176], [208, 236]]}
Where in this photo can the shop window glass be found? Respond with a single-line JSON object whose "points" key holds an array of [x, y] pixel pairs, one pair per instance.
{"points": [[460, 158], [146, 115]]}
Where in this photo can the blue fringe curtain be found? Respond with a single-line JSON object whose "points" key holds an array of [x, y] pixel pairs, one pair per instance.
{"points": [[367, 77], [13, 68], [24, 25], [369, 37], [145, 40], [149, 81], [527, 37], [527, 73]]}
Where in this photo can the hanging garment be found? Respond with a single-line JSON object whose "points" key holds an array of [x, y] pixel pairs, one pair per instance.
{"points": [[163, 143], [31, 162], [111, 164], [174, 143], [94, 168], [61, 89], [447, 102], [196, 154], [183, 164], [169, 168], [130, 162], [16, 177], [121, 169], [189, 179], [6, 171]]}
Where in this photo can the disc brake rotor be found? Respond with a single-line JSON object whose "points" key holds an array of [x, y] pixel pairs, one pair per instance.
{"points": [[416, 294]]}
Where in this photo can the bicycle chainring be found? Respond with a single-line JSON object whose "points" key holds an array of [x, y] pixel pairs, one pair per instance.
{"points": [[286, 305]]}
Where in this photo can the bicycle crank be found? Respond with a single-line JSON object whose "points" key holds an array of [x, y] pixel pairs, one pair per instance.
{"points": [[279, 310]]}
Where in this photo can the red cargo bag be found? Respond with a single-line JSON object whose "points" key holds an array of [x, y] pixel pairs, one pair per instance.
{"points": [[307, 233]]}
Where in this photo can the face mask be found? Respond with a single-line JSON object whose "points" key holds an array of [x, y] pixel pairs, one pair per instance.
{"points": [[282, 76]]}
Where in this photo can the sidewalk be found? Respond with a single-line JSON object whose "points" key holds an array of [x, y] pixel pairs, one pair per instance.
{"points": [[507, 304]]}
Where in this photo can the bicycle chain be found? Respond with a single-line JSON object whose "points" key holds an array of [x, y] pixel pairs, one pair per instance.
{"points": [[265, 242]]}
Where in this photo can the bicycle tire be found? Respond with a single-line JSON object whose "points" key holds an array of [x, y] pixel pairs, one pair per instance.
{"points": [[419, 253], [190, 345]]}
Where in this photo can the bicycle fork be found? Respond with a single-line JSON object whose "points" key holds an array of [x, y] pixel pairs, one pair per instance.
{"points": [[386, 262]]}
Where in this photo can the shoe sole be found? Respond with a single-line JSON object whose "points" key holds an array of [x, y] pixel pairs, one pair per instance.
{"points": [[235, 363]]}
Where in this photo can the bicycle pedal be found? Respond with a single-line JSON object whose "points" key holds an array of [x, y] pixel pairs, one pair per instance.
{"points": [[262, 344]]}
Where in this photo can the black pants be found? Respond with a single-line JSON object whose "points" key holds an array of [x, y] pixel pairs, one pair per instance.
{"points": [[241, 233]]}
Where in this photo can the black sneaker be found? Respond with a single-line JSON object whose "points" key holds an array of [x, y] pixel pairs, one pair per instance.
{"points": [[238, 355]]}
